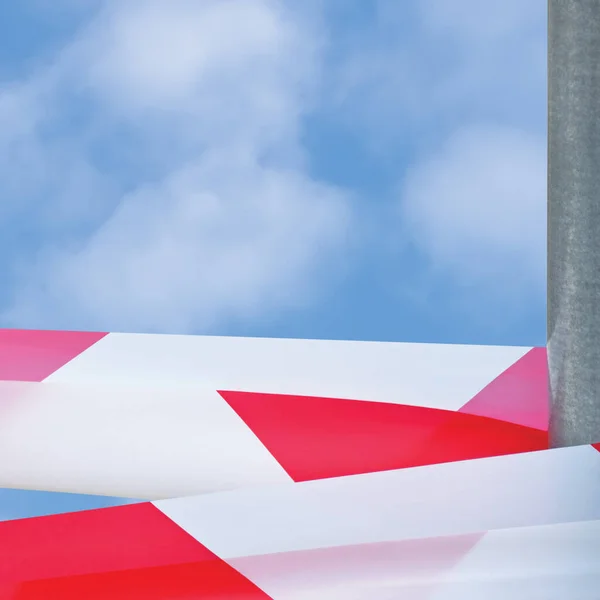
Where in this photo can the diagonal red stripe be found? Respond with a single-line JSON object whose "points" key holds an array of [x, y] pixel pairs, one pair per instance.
{"points": [[126, 537], [316, 438], [209, 579], [596, 446], [28, 355], [518, 395], [132, 551]]}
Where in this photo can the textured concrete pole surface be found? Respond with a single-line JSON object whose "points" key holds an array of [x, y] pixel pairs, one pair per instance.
{"points": [[574, 221]]}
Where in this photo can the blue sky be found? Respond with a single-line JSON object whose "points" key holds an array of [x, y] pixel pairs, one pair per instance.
{"points": [[358, 169]]}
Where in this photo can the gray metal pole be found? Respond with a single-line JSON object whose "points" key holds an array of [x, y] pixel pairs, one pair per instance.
{"points": [[574, 221]]}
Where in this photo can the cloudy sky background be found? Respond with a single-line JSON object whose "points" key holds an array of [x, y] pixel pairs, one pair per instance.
{"points": [[358, 169]]}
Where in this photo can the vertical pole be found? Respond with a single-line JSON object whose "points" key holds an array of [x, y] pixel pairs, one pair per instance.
{"points": [[574, 221]]}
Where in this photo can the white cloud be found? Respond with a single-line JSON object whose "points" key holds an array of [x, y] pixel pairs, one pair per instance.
{"points": [[233, 67], [477, 199], [478, 205], [437, 62], [197, 99], [462, 83], [468, 21], [159, 154], [223, 237]]}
